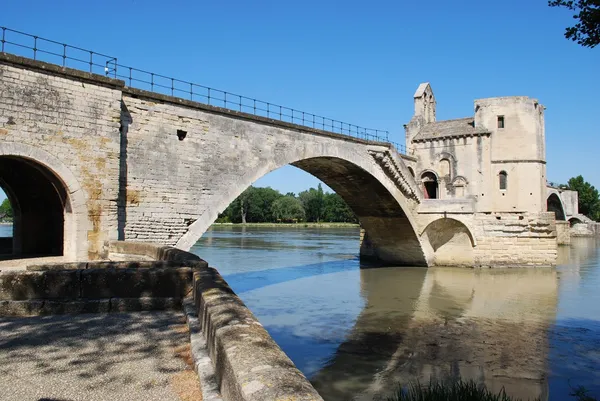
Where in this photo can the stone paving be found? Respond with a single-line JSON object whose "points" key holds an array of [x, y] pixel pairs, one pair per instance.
{"points": [[97, 357]]}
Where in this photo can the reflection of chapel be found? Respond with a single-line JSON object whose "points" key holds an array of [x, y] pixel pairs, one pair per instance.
{"points": [[492, 162]]}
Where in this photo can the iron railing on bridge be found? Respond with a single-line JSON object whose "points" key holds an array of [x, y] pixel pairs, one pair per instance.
{"points": [[38, 48]]}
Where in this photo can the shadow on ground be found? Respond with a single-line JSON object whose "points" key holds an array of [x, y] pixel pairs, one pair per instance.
{"points": [[132, 356]]}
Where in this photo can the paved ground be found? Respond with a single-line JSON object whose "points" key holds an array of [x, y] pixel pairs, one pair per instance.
{"points": [[128, 356]]}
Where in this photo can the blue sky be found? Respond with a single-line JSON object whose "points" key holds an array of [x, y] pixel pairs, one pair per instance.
{"points": [[354, 61]]}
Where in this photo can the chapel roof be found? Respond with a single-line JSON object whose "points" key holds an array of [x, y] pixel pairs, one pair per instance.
{"points": [[450, 128]]}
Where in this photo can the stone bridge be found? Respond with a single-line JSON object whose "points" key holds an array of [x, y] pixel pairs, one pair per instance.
{"points": [[85, 159]]}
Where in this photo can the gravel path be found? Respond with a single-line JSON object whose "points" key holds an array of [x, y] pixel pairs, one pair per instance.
{"points": [[126, 356]]}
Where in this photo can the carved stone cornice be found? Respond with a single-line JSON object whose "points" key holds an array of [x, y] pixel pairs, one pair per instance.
{"points": [[385, 159]]}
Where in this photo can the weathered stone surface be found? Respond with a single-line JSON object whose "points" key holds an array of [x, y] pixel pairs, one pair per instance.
{"points": [[144, 304], [75, 306], [22, 286], [21, 308], [68, 122], [248, 363], [136, 283], [58, 266]]}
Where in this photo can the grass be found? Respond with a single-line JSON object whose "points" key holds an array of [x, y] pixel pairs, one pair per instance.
{"points": [[463, 391]]}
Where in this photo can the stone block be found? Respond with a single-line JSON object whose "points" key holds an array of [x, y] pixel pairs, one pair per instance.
{"points": [[144, 304], [75, 306], [57, 266], [22, 285], [31, 307], [61, 284], [136, 283]]}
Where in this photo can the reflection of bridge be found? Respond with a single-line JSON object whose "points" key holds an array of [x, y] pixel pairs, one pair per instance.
{"points": [[489, 326], [88, 158]]}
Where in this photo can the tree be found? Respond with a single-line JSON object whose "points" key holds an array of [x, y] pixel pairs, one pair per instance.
{"points": [[336, 210], [252, 206], [589, 201], [287, 209], [586, 31], [6, 210], [313, 201]]}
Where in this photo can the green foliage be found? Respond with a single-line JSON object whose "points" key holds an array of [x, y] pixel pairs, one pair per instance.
{"points": [[266, 205], [6, 211], [313, 201], [451, 391], [336, 210], [589, 200], [287, 209], [581, 394], [586, 31]]}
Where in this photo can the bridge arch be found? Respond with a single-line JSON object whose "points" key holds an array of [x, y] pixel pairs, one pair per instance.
{"points": [[47, 200], [574, 220], [452, 242], [382, 209], [555, 204]]}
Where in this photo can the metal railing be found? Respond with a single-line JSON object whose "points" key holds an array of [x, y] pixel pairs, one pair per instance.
{"points": [[42, 49]]}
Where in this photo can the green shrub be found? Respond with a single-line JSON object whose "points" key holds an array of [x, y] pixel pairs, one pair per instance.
{"points": [[448, 391]]}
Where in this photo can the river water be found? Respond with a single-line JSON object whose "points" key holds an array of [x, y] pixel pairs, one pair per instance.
{"points": [[358, 332]]}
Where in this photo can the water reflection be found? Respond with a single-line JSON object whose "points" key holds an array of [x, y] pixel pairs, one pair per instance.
{"points": [[356, 333], [490, 326]]}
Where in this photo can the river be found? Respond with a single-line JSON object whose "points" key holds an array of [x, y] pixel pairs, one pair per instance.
{"points": [[358, 332]]}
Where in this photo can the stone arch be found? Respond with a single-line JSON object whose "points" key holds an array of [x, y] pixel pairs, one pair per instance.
{"points": [[460, 186], [47, 197], [444, 168], [451, 242], [383, 210], [555, 204], [430, 183], [574, 220]]}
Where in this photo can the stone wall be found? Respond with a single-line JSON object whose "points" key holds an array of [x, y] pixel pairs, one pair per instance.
{"points": [[186, 162], [513, 240], [563, 233], [68, 122], [109, 286], [490, 239]]}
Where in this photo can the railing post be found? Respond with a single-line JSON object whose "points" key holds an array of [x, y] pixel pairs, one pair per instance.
{"points": [[152, 81], [35, 47], [3, 38], [91, 60]]}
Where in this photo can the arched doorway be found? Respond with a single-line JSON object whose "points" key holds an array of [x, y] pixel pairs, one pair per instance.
{"points": [[430, 185], [39, 201], [553, 204]]}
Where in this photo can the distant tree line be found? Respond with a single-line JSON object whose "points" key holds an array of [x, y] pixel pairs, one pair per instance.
{"points": [[6, 212], [267, 205]]}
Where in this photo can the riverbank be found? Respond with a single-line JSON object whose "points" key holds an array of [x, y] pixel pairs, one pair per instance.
{"points": [[299, 225]]}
